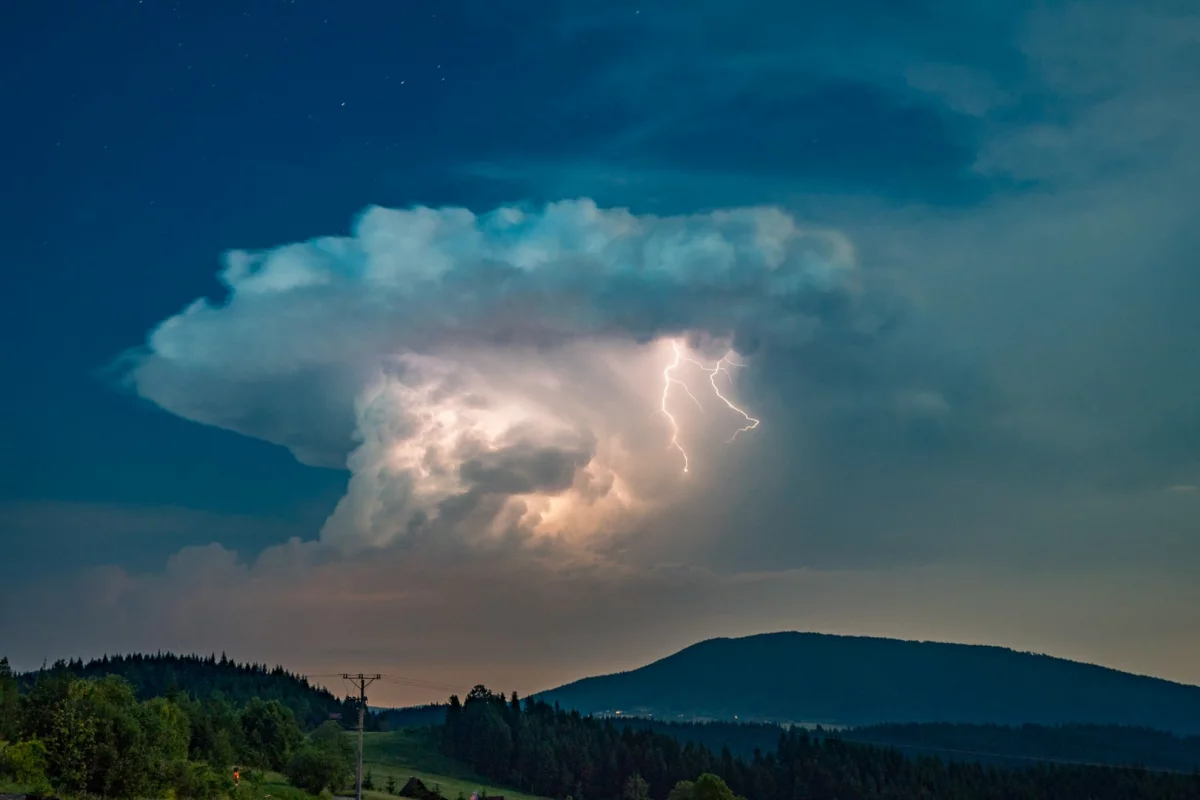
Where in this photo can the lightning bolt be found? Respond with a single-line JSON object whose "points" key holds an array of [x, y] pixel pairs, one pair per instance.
{"points": [[669, 378], [667, 381], [752, 423]]}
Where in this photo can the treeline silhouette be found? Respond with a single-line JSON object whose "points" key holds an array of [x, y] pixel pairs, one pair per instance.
{"points": [[426, 716], [742, 738], [1015, 746], [204, 677], [1001, 744], [1010, 745], [547, 751]]}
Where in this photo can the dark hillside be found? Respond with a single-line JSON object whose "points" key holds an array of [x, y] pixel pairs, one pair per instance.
{"points": [[203, 676], [854, 681], [394, 719], [1001, 745], [555, 753]]}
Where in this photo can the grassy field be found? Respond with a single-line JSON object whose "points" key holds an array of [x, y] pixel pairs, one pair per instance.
{"points": [[409, 753]]}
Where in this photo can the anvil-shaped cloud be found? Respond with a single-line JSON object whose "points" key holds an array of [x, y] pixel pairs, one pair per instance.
{"points": [[496, 374]]}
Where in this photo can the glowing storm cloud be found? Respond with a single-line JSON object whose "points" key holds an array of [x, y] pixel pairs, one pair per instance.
{"points": [[510, 372]]}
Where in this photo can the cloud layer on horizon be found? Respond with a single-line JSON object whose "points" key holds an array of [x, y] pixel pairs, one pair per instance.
{"points": [[541, 621]]}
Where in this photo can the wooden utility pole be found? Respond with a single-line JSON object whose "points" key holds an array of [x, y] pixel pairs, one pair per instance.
{"points": [[362, 682]]}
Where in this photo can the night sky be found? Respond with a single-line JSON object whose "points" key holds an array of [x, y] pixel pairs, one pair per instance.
{"points": [[953, 245]]}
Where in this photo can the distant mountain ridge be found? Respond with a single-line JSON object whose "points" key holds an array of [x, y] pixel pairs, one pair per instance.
{"points": [[856, 680]]}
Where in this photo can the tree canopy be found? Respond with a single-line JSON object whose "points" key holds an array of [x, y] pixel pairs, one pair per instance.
{"points": [[94, 736], [202, 677], [555, 753]]}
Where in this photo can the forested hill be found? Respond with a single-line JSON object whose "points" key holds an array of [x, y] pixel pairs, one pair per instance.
{"points": [[426, 716], [553, 753], [201, 677], [1024, 745], [848, 680], [1001, 745]]}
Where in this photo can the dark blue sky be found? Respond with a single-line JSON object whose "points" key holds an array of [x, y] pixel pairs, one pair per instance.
{"points": [[152, 136], [1014, 178]]}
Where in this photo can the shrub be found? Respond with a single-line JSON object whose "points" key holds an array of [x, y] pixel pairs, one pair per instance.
{"points": [[195, 780], [315, 768], [24, 762]]}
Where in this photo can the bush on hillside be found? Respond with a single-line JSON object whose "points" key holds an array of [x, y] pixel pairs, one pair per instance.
{"points": [[199, 781], [706, 787], [24, 763], [315, 768]]}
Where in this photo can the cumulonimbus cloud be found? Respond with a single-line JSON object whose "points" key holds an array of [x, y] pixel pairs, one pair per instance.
{"points": [[499, 372]]}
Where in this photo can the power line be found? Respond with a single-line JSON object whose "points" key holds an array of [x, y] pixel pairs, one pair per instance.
{"points": [[402, 680], [419, 683], [362, 681]]}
